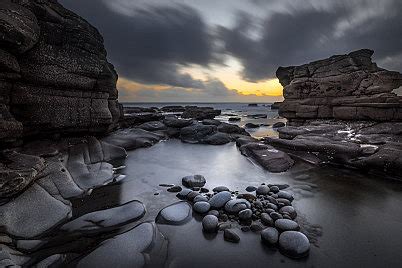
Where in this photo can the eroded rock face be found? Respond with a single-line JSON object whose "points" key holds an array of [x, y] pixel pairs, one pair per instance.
{"points": [[346, 87], [343, 110], [54, 75]]}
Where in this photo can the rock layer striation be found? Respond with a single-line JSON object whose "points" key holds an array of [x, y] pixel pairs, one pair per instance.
{"points": [[54, 75]]}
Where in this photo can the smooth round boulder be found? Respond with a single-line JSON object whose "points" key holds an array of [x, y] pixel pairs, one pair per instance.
{"points": [[256, 227], [245, 214], [294, 244], [192, 195], [266, 219], [201, 207], [286, 225], [286, 195], [175, 214], [270, 236], [183, 193], [200, 198], [289, 210], [284, 201], [274, 189], [251, 189], [275, 216], [193, 181], [220, 189], [230, 236], [236, 205], [214, 212], [262, 190], [220, 199], [210, 223]]}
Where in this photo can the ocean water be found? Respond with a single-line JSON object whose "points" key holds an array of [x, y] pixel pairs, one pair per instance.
{"points": [[240, 110]]}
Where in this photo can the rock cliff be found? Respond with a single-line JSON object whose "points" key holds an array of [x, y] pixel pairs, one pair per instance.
{"points": [[54, 75], [342, 110], [344, 87]]}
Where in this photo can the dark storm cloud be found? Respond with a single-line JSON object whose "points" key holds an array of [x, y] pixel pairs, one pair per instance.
{"points": [[150, 44], [309, 32]]}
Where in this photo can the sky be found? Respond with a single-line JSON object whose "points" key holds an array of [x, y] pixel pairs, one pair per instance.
{"points": [[229, 50]]}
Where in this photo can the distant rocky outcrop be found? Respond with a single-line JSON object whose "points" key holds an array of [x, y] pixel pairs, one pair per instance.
{"points": [[54, 75], [342, 110], [344, 87]]}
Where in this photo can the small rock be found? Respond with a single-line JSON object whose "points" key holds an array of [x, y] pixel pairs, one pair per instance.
{"points": [[245, 214], [294, 244], [255, 227], [289, 210], [262, 190], [224, 225], [174, 189], [192, 195], [274, 189], [275, 216], [220, 189], [234, 119], [272, 206], [183, 193], [230, 236], [204, 190], [278, 125], [269, 210], [245, 229], [210, 223], [272, 200], [270, 236], [175, 214], [220, 199], [284, 201], [214, 212], [251, 125], [251, 188], [286, 195], [200, 198], [201, 207], [236, 205], [166, 185], [266, 219], [248, 197], [193, 181], [286, 225]]}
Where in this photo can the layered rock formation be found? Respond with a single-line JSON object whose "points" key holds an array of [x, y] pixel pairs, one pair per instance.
{"points": [[343, 110], [54, 75], [344, 87]]}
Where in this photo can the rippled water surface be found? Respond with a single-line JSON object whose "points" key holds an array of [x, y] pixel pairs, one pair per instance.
{"points": [[353, 219]]}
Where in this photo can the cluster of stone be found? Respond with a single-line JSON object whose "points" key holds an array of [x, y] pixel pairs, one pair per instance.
{"points": [[54, 75], [269, 212]]}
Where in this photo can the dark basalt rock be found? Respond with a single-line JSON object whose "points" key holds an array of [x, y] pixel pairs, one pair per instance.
{"points": [[252, 125], [275, 105], [56, 65], [346, 87], [200, 113], [267, 156], [343, 110]]}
